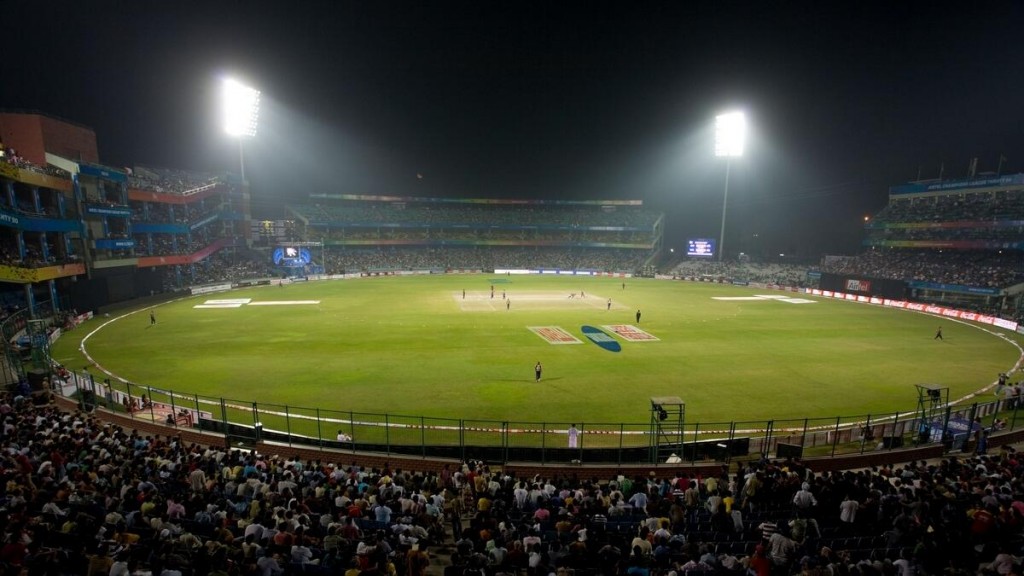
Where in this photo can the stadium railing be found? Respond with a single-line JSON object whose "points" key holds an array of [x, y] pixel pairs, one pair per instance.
{"points": [[957, 427]]}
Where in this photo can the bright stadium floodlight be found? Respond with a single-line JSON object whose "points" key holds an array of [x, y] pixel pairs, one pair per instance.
{"points": [[730, 134], [241, 108], [241, 113]]}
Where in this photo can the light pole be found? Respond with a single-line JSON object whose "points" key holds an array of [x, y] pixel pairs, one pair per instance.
{"points": [[730, 133], [241, 113]]}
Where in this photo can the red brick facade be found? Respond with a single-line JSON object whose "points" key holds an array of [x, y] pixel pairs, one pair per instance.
{"points": [[33, 135]]}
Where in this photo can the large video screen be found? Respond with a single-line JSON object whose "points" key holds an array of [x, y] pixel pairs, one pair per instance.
{"points": [[700, 247], [291, 256]]}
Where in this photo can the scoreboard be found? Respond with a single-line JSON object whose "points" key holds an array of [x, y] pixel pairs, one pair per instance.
{"points": [[700, 247]]}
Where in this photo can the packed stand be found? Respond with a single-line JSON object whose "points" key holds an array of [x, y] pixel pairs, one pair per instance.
{"points": [[33, 258], [84, 497], [81, 496], [957, 516], [765, 273], [221, 268], [168, 244], [988, 269], [562, 237], [386, 259], [441, 214], [168, 181], [531, 237], [10, 156], [161, 213], [969, 207], [974, 217]]}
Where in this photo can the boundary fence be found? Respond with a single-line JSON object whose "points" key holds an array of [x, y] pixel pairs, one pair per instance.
{"points": [[958, 426]]}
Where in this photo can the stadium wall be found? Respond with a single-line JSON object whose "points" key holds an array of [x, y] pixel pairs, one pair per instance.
{"points": [[112, 285]]}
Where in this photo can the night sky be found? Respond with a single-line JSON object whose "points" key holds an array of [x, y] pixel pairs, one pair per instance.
{"points": [[566, 100]]}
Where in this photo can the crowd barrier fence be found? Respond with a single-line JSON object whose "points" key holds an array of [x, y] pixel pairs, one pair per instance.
{"points": [[959, 426]]}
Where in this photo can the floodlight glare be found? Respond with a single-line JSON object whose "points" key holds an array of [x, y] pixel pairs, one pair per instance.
{"points": [[730, 133], [241, 108]]}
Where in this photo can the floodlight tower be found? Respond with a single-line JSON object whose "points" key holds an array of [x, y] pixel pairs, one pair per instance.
{"points": [[730, 133], [241, 113]]}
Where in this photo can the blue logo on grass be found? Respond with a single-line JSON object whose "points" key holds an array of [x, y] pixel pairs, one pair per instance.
{"points": [[602, 339]]}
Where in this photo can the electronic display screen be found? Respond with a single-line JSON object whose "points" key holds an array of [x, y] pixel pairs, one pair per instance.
{"points": [[700, 247], [291, 256]]}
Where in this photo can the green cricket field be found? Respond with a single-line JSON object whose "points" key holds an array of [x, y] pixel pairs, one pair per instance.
{"points": [[443, 347]]}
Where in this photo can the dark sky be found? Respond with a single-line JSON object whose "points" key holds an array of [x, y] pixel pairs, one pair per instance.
{"points": [[546, 99]]}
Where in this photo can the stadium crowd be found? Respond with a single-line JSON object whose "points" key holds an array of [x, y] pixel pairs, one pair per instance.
{"points": [[956, 516], [23, 200], [168, 181], [990, 217], [991, 234], [765, 273], [81, 496], [248, 265], [109, 194], [415, 233], [221, 267], [33, 255], [161, 213], [47, 205], [975, 206], [988, 269], [474, 214], [393, 258], [10, 156], [166, 244]]}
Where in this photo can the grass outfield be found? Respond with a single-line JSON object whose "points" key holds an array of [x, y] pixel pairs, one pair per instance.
{"points": [[414, 346]]}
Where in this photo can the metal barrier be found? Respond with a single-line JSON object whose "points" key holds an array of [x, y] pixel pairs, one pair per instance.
{"points": [[12, 369], [957, 427]]}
